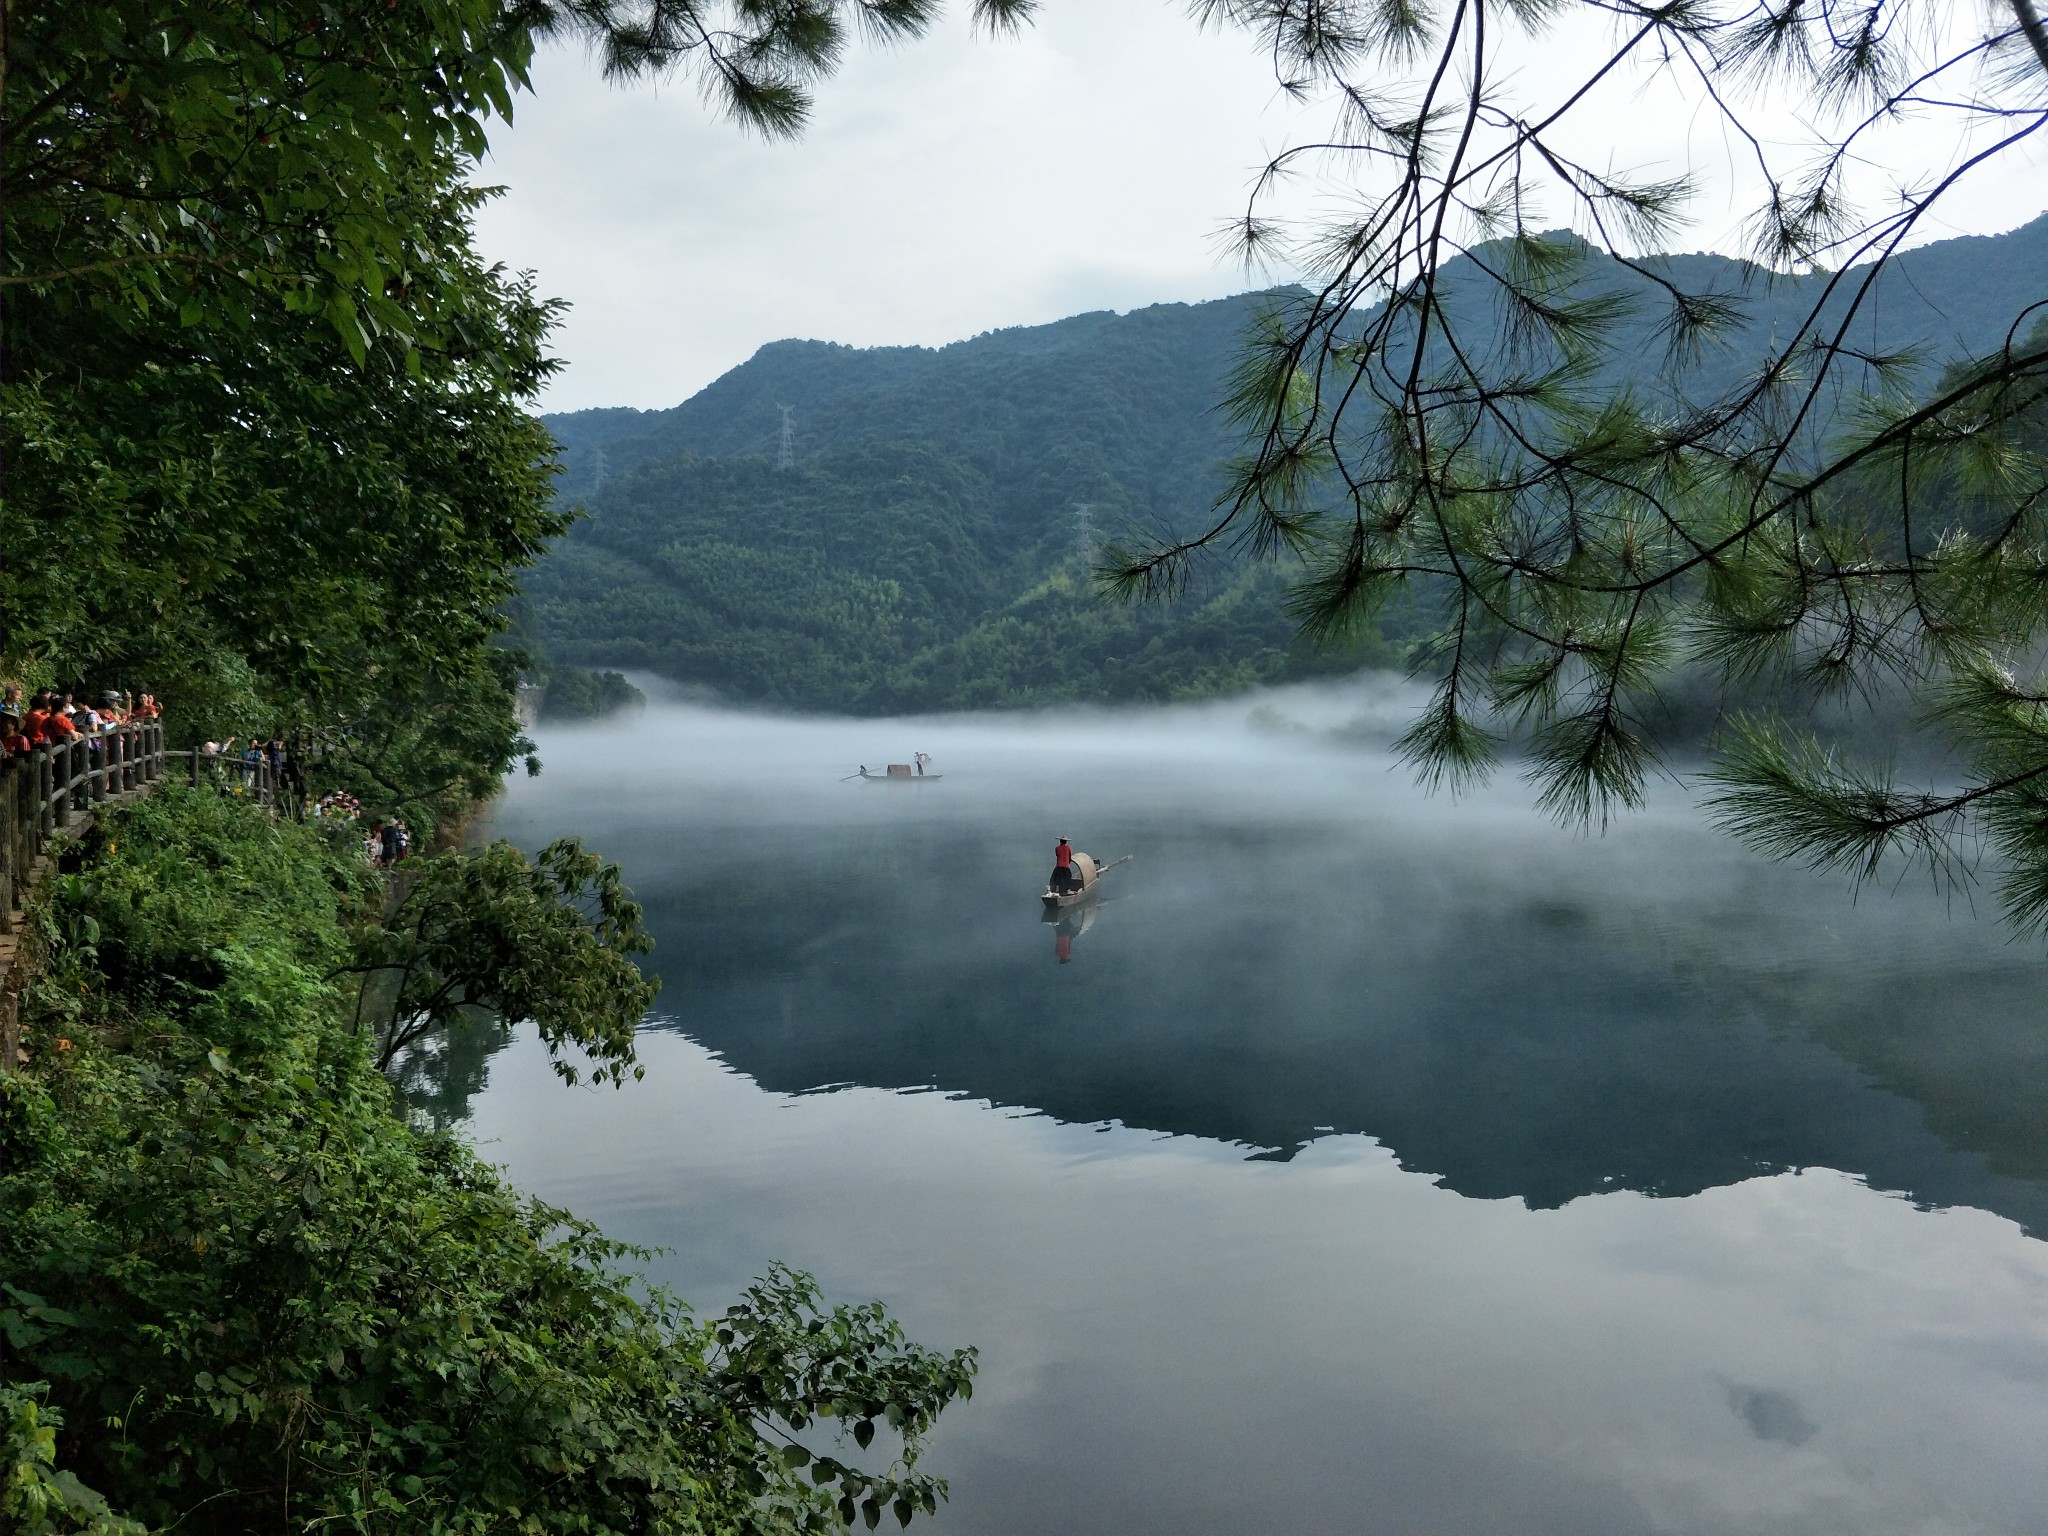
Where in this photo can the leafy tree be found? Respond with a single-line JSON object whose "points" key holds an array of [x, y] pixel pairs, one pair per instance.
{"points": [[263, 404], [430, 742], [263, 398], [549, 941], [1440, 411], [260, 1298], [267, 453], [574, 694]]}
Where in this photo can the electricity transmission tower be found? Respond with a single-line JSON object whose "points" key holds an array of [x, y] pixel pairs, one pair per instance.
{"points": [[785, 445], [598, 483]]}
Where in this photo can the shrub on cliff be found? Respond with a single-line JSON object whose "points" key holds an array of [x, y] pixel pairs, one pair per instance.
{"points": [[260, 1297]]}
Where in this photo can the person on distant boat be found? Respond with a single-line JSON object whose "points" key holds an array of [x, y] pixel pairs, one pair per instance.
{"points": [[920, 758], [1063, 877]]}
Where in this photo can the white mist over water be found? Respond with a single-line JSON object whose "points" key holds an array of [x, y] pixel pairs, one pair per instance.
{"points": [[1330, 739], [1455, 1024]]}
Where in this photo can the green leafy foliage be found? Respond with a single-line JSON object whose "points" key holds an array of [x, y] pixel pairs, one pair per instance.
{"points": [[263, 404], [548, 942], [571, 693], [429, 743], [37, 1497], [757, 61], [260, 1298]]}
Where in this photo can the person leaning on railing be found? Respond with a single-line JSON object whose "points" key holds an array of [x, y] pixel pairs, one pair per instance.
{"points": [[48, 725]]}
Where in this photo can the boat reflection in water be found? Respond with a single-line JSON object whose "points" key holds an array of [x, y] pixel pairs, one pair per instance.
{"points": [[1069, 925]]}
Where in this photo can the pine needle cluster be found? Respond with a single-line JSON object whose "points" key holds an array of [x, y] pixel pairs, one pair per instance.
{"points": [[1444, 413]]}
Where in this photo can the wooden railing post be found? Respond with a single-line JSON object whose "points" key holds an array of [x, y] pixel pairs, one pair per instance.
{"points": [[60, 785], [10, 839], [41, 758]]}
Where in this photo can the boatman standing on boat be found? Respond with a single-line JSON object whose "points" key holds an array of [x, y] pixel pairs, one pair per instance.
{"points": [[1063, 879]]}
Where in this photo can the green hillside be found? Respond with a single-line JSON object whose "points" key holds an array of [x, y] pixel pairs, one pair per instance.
{"points": [[929, 545]]}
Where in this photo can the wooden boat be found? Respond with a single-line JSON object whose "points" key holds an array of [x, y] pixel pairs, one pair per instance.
{"points": [[1091, 872], [899, 773]]}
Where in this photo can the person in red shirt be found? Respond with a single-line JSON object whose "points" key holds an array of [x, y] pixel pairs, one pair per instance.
{"points": [[1063, 867], [38, 721], [58, 728], [15, 743]]}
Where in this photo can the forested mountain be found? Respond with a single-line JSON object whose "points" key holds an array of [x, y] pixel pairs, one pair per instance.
{"points": [[928, 545]]}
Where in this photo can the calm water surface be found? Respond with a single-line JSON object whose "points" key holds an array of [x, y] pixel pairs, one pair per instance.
{"points": [[1369, 1163]]}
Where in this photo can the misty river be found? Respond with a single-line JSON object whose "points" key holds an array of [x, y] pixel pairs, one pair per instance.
{"points": [[1361, 1161]]}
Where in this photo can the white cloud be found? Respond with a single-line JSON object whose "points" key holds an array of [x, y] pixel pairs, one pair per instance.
{"points": [[947, 187], [952, 186]]}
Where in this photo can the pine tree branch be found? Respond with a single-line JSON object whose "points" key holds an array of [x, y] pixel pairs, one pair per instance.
{"points": [[2031, 25]]}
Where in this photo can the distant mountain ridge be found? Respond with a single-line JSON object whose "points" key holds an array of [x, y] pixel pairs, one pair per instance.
{"points": [[930, 547], [1953, 296]]}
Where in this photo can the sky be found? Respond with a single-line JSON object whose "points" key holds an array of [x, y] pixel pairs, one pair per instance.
{"points": [[959, 184]]}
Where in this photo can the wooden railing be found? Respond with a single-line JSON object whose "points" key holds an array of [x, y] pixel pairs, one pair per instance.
{"points": [[229, 772], [53, 790]]}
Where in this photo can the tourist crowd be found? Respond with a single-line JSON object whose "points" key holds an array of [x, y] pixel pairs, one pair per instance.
{"points": [[386, 839], [337, 807], [55, 717], [52, 718]]}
